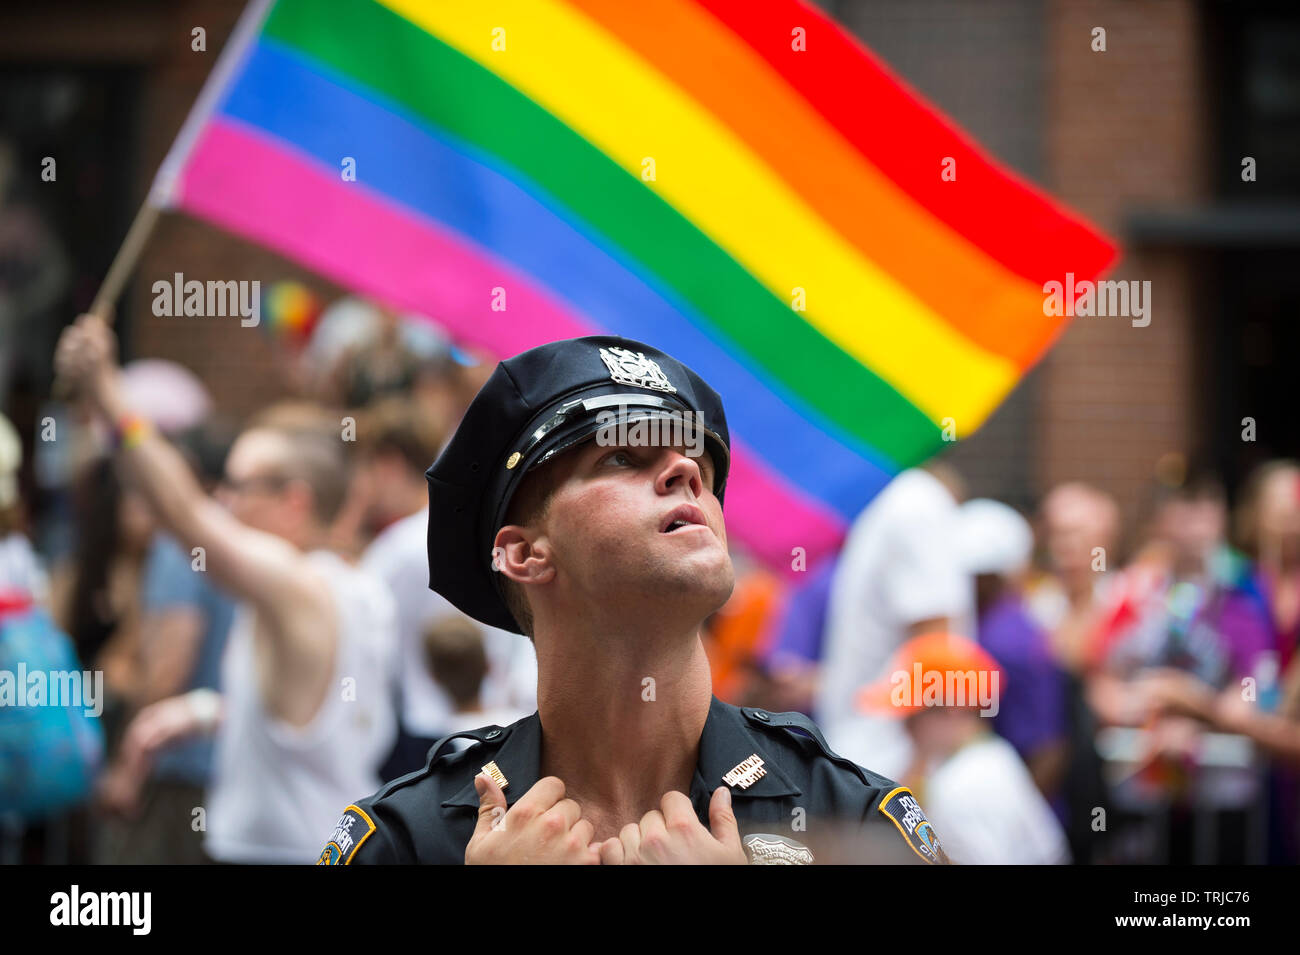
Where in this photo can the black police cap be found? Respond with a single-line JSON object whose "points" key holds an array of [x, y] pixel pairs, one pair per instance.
{"points": [[534, 406]]}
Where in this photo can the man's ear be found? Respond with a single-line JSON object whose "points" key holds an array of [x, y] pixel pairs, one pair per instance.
{"points": [[523, 554]]}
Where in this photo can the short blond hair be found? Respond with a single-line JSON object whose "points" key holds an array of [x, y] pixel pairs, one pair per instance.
{"points": [[315, 451]]}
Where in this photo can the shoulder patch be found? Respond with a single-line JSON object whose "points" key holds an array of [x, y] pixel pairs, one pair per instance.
{"points": [[902, 809], [354, 827]]}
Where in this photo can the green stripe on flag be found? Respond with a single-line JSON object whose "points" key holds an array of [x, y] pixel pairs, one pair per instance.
{"points": [[435, 83]]}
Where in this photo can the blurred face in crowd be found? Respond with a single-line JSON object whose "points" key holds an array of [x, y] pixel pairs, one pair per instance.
{"points": [[635, 527], [443, 395], [1077, 519], [1194, 527], [1279, 515], [256, 490], [939, 731], [379, 479]]}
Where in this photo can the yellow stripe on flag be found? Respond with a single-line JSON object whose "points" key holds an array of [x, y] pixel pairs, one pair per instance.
{"points": [[610, 96]]}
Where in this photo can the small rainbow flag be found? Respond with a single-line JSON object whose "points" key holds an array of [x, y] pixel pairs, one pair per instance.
{"points": [[738, 182]]}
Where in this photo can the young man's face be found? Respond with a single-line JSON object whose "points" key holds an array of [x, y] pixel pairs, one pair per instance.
{"points": [[254, 488], [638, 525]]}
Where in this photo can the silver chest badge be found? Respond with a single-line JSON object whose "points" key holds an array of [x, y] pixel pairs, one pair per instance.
{"points": [[764, 848], [634, 368]]}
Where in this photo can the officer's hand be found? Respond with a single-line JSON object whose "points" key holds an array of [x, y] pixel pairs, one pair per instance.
{"points": [[676, 837], [542, 828]]}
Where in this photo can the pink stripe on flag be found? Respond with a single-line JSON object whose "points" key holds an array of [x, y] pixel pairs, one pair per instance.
{"points": [[254, 187], [771, 518], [249, 185]]}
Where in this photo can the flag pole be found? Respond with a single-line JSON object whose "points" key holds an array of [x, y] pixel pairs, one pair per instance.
{"points": [[162, 193], [124, 261], [128, 253]]}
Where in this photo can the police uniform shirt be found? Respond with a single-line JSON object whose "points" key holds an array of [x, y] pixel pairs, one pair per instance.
{"points": [[795, 801]]}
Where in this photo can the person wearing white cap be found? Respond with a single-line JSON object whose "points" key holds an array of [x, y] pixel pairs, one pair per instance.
{"points": [[994, 544], [897, 577]]}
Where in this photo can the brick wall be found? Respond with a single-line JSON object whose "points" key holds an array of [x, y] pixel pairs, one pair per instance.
{"points": [[1106, 133], [982, 64], [1125, 129]]}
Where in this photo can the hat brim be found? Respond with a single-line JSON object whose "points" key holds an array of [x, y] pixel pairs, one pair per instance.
{"points": [[578, 420]]}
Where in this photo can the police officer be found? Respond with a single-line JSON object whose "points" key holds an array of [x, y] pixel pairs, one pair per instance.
{"points": [[580, 503]]}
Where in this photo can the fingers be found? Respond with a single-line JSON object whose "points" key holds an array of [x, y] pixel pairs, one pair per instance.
{"points": [[546, 792], [612, 851], [568, 810], [564, 820], [491, 803], [84, 346], [722, 820], [629, 838], [654, 836], [547, 826], [543, 827], [584, 832], [677, 810], [91, 324]]}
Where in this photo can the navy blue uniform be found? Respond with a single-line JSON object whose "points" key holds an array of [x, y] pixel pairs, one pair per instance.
{"points": [[794, 799], [809, 805]]}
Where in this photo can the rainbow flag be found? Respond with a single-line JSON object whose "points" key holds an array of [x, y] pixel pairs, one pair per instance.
{"points": [[738, 182]]}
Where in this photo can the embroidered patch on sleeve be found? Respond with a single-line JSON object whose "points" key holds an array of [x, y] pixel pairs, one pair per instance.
{"points": [[905, 812], [354, 828]]}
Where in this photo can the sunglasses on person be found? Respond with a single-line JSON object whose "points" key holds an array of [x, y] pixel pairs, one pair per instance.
{"points": [[266, 482]]}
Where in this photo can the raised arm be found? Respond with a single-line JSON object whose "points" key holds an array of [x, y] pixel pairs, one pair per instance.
{"points": [[254, 566], [266, 571]]}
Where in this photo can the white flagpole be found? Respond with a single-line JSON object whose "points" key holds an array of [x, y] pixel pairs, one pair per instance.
{"points": [[162, 192]]}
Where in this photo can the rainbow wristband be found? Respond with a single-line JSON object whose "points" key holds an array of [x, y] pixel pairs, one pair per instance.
{"points": [[131, 430]]}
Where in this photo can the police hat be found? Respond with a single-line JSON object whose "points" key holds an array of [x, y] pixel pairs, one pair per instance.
{"points": [[534, 406]]}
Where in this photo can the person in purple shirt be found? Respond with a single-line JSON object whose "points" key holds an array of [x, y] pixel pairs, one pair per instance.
{"points": [[1032, 717], [995, 544], [790, 661]]}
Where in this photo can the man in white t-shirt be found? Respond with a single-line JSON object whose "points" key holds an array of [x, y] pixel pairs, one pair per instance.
{"points": [[307, 713], [943, 691], [898, 576]]}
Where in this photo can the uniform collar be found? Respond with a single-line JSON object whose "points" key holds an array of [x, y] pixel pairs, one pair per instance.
{"points": [[519, 758], [728, 739]]}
